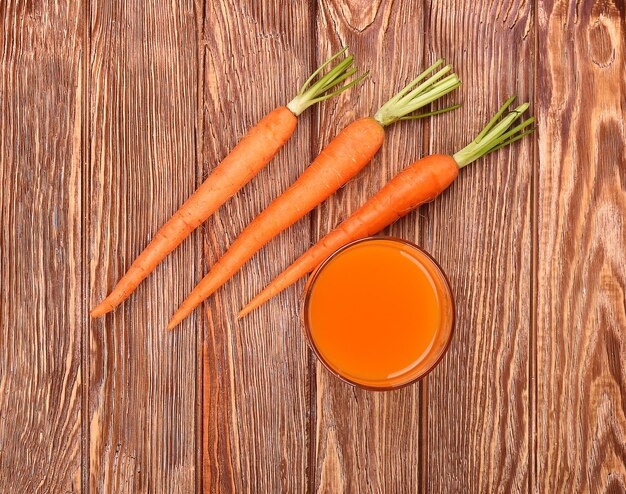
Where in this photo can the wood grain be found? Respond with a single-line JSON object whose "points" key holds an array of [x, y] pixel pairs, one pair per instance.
{"points": [[41, 96], [143, 165], [112, 112], [256, 383], [368, 442], [476, 402], [581, 310]]}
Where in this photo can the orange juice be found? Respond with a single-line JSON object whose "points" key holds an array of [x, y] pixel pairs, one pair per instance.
{"points": [[379, 313]]}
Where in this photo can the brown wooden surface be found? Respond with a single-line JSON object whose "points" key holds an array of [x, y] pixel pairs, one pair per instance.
{"points": [[112, 112], [581, 267], [359, 433], [140, 394], [476, 404], [41, 273], [256, 434]]}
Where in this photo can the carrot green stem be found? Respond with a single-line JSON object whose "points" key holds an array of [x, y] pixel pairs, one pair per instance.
{"points": [[418, 94], [431, 113], [322, 89], [496, 134]]}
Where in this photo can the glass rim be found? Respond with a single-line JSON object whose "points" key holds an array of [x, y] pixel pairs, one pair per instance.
{"points": [[305, 312]]}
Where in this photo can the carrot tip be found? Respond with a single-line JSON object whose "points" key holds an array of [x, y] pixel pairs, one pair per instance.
{"points": [[245, 311], [99, 310]]}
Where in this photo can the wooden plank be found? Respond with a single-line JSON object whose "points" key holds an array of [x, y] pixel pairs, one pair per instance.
{"points": [[581, 323], [144, 162], [368, 442], [476, 402], [255, 371], [41, 99]]}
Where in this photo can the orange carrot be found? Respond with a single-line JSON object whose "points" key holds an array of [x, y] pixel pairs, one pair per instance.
{"points": [[341, 160], [419, 183], [252, 153]]}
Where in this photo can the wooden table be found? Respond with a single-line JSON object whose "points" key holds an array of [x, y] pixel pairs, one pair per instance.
{"points": [[112, 112]]}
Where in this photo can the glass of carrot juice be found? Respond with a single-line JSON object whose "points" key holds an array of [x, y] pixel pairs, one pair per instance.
{"points": [[379, 313]]}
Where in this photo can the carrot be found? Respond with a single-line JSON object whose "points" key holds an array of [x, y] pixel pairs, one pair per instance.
{"points": [[419, 183], [340, 160], [252, 153]]}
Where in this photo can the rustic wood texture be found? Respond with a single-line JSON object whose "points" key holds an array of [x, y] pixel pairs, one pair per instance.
{"points": [[143, 165], [256, 396], [581, 268], [359, 433], [42, 59], [112, 112], [476, 403]]}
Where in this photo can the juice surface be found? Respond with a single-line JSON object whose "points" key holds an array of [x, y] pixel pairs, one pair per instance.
{"points": [[375, 310]]}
